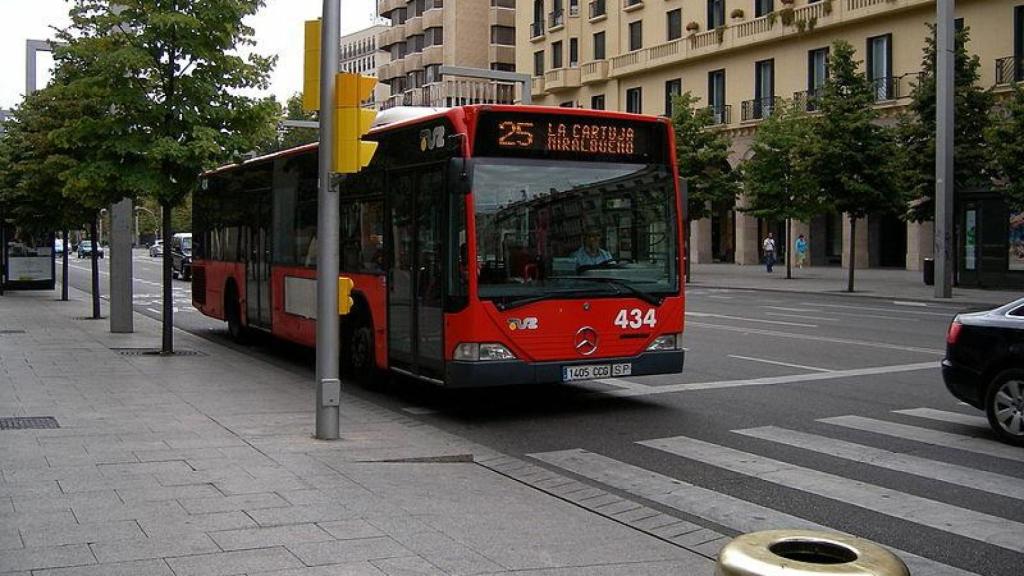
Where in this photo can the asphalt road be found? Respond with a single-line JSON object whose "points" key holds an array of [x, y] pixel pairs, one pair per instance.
{"points": [[821, 407]]}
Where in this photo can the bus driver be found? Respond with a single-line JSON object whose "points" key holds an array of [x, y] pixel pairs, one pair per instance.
{"points": [[591, 253]]}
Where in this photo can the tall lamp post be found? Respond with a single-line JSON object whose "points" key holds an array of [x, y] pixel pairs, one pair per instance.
{"points": [[138, 239], [944, 184]]}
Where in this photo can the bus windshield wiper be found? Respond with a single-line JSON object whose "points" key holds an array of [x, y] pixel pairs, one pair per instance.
{"points": [[620, 286], [510, 304]]}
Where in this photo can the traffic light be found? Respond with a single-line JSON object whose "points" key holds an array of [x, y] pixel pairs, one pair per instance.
{"points": [[345, 301], [311, 68], [351, 121]]}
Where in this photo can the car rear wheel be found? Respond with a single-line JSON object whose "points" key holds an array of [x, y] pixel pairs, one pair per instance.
{"points": [[1004, 406]]}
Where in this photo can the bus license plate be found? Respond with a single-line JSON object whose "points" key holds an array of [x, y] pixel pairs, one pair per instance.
{"points": [[570, 373]]}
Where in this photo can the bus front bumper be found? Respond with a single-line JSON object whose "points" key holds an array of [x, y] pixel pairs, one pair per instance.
{"points": [[518, 372]]}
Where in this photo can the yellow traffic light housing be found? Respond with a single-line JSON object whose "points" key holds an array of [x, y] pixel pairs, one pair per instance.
{"points": [[345, 301], [311, 68], [351, 122]]}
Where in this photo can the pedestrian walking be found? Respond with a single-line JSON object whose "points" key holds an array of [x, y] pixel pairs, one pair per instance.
{"points": [[768, 247], [801, 251]]}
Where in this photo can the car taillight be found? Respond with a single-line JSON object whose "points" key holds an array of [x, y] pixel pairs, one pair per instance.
{"points": [[954, 331]]}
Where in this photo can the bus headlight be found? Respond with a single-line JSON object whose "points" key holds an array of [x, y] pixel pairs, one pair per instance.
{"points": [[666, 342], [473, 352]]}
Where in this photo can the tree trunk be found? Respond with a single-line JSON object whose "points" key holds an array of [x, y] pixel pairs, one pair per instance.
{"points": [[64, 266], [789, 244], [853, 252], [94, 255], [167, 346]]}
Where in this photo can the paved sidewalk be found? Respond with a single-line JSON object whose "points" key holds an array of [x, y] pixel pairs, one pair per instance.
{"points": [[879, 283], [203, 465]]}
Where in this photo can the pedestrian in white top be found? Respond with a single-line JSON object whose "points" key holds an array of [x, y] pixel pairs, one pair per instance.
{"points": [[768, 247]]}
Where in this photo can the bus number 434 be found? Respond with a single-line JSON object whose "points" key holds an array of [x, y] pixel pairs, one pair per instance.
{"points": [[636, 318]]}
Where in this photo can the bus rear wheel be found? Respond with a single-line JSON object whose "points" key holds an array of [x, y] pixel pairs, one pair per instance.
{"points": [[233, 314]]}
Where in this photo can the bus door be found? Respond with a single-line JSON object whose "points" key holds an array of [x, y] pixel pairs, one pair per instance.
{"points": [[257, 263], [416, 277]]}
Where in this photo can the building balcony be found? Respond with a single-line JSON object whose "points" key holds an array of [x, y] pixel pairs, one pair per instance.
{"points": [[413, 62], [561, 79], [808, 100], [892, 88], [667, 51], [629, 63], [391, 36], [537, 86], [596, 71], [1009, 70], [598, 10], [384, 7], [536, 31], [433, 18], [720, 115], [414, 26], [501, 53], [433, 55], [556, 19], [759, 108], [499, 17]]}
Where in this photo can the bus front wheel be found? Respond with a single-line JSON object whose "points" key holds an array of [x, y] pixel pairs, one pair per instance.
{"points": [[233, 313], [361, 357]]}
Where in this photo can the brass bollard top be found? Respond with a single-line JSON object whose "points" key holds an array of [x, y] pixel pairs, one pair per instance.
{"points": [[806, 553]]}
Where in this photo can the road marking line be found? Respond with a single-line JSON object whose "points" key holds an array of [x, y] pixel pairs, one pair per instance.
{"points": [[419, 410], [934, 514], [721, 297], [929, 436], [752, 359], [797, 378], [802, 317], [623, 384], [949, 314], [722, 509], [784, 309], [900, 462], [816, 338], [905, 303], [943, 416], [741, 319]]}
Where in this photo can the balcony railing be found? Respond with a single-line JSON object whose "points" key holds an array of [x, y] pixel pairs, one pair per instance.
{"points": [[556, 18], [1009, 69], [808, 99], [597, 9], [536, 29], [759, 108], [720, 114], [888, 88]]}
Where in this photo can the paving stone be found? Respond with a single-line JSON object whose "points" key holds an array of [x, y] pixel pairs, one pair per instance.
{"points": [[195, 524], [256, 485], [585, 494], [76, 485], [341, 551], [655, 522], [407, 566], [301, 514], [349, 569], [82, 533], [675, 529], [155, 493], [40, 488], [229, 563], [46, 474], [138, 568], [10, 538], [232, 503], [23, 520], [270, 536], [126, 550], [696, 538], [613, 508], [135, 511], [49, 557], [713, 547], [351, 529], [65, 501], [632, 516], [143, 468]]}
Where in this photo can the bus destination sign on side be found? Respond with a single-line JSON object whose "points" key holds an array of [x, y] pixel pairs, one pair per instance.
{"points": [[566, 137]]}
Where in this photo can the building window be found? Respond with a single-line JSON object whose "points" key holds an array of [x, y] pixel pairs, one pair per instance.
{"points": [[503, 67], [556, 54], [636, 35], [597, 102], [634, 100], [599, 46], [716, 14], [716, 96], [763, 7], [433, 36], [538, 63], [574, 7], [675, 24], [817, 74], [569, 104], [673, 88], [417, 44], [764, 88], [503, 35], [432, 72], [574, 52], [879, 66]]}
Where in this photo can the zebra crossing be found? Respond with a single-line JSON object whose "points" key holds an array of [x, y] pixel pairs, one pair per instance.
{"points": [[735, 514]]}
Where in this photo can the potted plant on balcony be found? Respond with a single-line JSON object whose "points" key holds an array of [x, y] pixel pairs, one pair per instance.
{"points": [[692, 27], [736, 14]]}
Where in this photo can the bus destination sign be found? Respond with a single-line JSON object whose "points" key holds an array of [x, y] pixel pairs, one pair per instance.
{"points": [[568, 137]]}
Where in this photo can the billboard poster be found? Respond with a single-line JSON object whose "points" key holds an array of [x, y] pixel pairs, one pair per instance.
{"points": [[1016, 241], [29, 268]]}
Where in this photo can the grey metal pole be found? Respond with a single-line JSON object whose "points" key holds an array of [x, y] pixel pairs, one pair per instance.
{"points": [[121, 315], [328, 386], [944, 122]]}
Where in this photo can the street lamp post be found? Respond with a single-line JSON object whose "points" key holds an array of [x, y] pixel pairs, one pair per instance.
{"points": [[138, 238]]}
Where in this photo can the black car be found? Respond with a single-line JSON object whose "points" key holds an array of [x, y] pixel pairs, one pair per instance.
{"points": [[984, 366], [181, 256]]}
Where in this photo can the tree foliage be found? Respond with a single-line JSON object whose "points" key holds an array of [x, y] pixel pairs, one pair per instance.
{"points": [[916, 131], [702, 154], [1006, 137], [298, 136]]}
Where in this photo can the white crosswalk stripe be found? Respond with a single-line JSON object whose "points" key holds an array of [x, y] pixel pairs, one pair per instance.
{"points": [[944, 416]]}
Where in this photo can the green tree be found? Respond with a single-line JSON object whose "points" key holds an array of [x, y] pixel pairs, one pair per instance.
{"points": [[781, 183], [916, 130], [852, 153], [1006, 137], [702, 154], [175, 104]]}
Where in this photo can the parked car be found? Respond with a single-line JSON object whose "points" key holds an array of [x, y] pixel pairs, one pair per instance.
{"points": [[156, 248], [984, 366], [181, 256], [85, 249], [58, 246]]}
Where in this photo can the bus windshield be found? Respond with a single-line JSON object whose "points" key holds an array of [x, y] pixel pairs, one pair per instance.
{"points": [[574, 229]]}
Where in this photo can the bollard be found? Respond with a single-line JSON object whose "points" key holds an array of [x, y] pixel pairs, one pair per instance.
{"points": [[806, 553]]}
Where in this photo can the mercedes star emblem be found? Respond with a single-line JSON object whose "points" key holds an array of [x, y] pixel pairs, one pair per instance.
{"points": [[586, 341]]}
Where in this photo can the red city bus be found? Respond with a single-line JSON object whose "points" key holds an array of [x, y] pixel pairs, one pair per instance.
{"points": [[489, 245]]}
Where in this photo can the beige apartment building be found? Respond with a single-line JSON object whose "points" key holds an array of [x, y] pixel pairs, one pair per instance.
{"points": [[427, 34], [739, 57], [359, 53]]}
